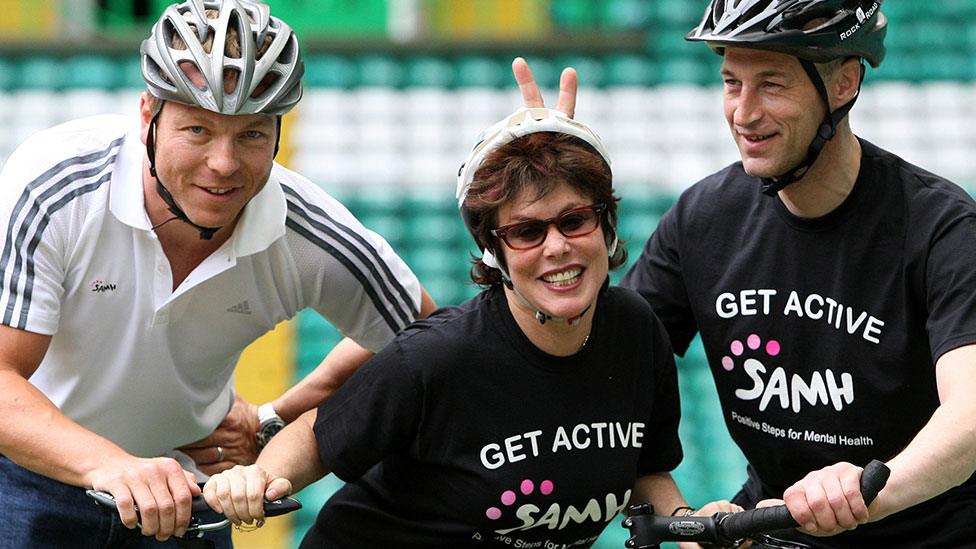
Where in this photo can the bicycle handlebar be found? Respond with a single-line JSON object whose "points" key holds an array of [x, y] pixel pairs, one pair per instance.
{"points": [[271, 509], [649, 530]]}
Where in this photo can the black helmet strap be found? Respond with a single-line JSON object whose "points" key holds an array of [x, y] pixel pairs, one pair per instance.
{"points": [[826, 132], [206, 233]]}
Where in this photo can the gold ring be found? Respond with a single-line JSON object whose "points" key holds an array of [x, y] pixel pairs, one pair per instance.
{"points": [[220, 454], [249, 527]]}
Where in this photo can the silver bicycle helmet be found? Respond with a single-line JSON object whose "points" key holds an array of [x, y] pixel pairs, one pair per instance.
{"points": [[269, 67]]}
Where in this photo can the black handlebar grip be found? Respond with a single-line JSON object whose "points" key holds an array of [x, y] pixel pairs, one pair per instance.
{"points": [[873, 479], [281, 506], [198, 504], [736, 526]]}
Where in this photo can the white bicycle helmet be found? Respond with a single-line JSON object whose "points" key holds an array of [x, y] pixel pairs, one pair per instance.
{"points": [[520, 123], [269, 79]]}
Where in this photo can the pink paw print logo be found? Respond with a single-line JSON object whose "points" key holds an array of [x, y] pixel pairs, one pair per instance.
{"points": [[508, 497], [737, 348]]}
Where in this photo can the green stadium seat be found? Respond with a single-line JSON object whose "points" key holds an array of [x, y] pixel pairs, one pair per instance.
{"points": [[315, 337], [8, 74], [688, 70], [444, 289], [623, 15], [591, 71], [967, 43], [635, 228], [668, 40], [544, 70], [334, 18], [630, 70], [129, 72], [330, 71], [933, 35], [949, 65], [915, 11], [431, 258], [482, 72], [40, 72], [433, 227], [380, 70], [91, 71], [372, 200], [900, 66], [573, 14], [680, 12], [429, 71], [389, 227]]}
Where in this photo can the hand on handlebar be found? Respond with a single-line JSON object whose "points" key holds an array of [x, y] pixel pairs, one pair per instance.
{"points": [[158, 487], [197, 527], [649, 530], [827, 501], [240, 492]]}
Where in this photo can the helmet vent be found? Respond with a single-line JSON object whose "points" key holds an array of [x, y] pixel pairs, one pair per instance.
{"points": [[269, 81], [236, 34], [171, 36], [755, 10], [232, 80], [810, 18], [193, 72], [208, 42], [288, 52]]}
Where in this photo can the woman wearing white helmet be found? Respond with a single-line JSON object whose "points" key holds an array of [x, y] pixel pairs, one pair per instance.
{"points": [[529, 415]]}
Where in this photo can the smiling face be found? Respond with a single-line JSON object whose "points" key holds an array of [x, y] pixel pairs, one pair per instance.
{"points": [[211, 163], [772, 108], [563, 275]]}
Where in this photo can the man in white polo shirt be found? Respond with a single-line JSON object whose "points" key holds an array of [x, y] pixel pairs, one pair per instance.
{"points": [[140, 257]]}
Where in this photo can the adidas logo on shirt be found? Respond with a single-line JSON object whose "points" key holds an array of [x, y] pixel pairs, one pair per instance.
{"points": [[242, 308]]}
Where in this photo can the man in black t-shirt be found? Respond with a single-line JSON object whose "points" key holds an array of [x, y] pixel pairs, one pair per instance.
{"points": [[838, 311]]}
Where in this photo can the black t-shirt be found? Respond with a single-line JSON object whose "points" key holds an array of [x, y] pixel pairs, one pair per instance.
{"points": [[822, 334], [463, 433]]}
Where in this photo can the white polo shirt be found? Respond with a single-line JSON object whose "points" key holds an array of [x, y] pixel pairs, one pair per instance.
{"points": [[145, 366]]}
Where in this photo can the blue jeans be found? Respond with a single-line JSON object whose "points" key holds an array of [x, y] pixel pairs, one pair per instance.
{"points": [[42, 513]]}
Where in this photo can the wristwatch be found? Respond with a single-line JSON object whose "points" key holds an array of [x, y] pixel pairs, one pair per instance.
{"points": [[269, 423]]}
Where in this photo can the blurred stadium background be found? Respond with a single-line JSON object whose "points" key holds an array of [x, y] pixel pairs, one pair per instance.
{"points": [[397, 90]]}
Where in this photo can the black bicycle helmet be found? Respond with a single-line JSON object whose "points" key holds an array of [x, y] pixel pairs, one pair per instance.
{"points": [[814, 31], [837, 28]]}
